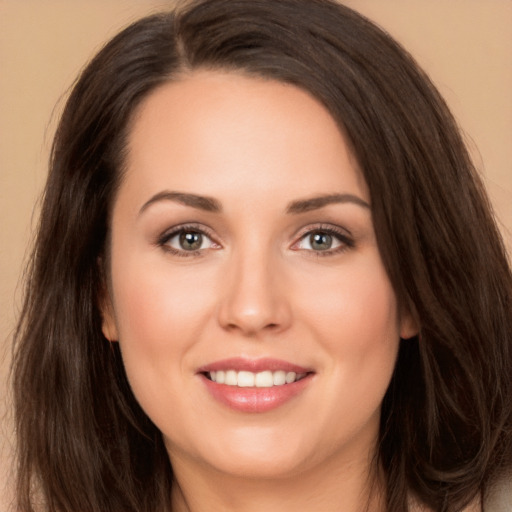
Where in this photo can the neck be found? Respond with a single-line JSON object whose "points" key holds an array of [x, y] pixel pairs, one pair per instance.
{"points": [[357, 486]]}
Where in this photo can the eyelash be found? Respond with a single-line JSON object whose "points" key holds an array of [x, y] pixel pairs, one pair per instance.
{"points": [[345, 240], [163, 240]]}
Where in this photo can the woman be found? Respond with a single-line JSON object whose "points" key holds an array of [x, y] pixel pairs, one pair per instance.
{"points": [[266, 276]]}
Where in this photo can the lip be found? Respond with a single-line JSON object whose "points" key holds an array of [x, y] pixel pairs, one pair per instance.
{"points": [[253, 365], [254, 400]]}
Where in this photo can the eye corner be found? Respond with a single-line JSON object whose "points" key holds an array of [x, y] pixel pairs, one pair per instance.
{"points": [[199, 239], [335, 240]]}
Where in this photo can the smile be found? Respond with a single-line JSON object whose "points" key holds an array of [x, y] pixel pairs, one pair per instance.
{"points": [[246, 379], [255, 385]]}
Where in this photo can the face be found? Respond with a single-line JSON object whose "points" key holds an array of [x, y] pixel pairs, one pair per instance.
{"points": [[256, 322]]}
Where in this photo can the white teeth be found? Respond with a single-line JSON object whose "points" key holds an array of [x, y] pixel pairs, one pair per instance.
{"points": [[279, 378], [231, 378], [264, 380], [245, 379], [290, 377]]}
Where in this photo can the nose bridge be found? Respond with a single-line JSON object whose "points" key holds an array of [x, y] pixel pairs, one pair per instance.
{"points": [[253, 298]]}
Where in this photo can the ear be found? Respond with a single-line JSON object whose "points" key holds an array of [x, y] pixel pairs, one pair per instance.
{"points": [[409, 324], [108, 321]]}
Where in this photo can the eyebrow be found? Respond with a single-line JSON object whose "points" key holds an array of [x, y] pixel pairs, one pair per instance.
{"points": [[317, 202], [205, 203], [210, 204]]}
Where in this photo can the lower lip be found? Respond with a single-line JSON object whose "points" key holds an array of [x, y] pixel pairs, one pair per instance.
{"points": [[255, 399]]}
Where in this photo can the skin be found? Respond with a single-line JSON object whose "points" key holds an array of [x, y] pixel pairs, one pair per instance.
{"points": [[255, 288]]}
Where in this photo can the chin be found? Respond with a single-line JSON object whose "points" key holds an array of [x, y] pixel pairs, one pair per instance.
{"points": [[259, 453], [262, 466]]}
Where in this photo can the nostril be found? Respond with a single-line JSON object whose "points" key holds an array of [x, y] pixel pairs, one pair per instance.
{"points": [[252, 329], [251, 313]]}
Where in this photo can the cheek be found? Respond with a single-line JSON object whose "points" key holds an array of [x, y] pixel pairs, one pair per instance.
{"points": [[155, 305], [356, 325], [160, 316], [354, 317], [358, 300]]}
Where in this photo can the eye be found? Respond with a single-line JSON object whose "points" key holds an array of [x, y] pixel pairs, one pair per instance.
{"points": [[187, 240], [323, 240], [320, 241]]}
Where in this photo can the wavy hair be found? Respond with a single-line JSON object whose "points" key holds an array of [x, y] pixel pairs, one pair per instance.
{"points": [[446, 428]]}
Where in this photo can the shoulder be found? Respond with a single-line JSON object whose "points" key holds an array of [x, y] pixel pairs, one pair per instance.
{"points": [[498, 500], [500, 497], [416, 506]]}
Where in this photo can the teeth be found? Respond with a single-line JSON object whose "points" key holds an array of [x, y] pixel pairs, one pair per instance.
{"points": [[290, 377], [231, 378], [279, 378], [265, 379], [245, 379]]}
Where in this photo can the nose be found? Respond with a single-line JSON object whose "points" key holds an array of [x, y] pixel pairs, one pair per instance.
{"points": [[254, 297]]}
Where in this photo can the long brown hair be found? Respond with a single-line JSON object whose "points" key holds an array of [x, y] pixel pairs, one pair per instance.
{"points": [[446, 427]]}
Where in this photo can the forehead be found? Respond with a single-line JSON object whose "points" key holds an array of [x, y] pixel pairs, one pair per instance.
{"points": [[210, 132]]}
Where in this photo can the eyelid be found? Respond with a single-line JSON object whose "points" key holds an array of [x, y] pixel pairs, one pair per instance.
{"points": [[168, 234], [341, 234]]}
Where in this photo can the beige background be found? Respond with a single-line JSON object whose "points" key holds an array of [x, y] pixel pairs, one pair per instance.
{"points": [[466, 46]]}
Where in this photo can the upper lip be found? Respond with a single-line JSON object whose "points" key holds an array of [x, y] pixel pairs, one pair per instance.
{"points": [[253, 365]]}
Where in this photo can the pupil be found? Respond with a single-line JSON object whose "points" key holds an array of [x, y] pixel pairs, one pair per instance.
{"points": [[191, 241], [321, 241]]}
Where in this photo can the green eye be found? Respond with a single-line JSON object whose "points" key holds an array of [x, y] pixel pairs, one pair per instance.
{"points": [[185, 241], [325, 241], [320, 241]]}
